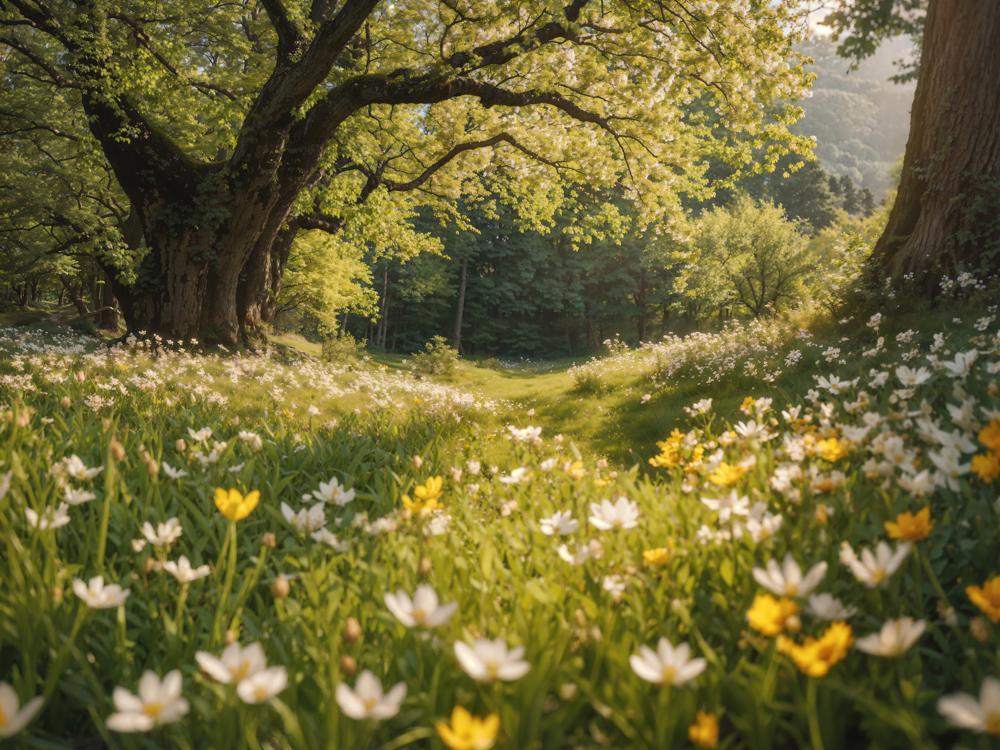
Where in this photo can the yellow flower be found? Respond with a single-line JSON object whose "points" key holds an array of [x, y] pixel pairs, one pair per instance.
{"points": [[725, 475], [575, 470], [425, 496], [670, 455], [233, 505], [704, 732], [990, 435], [468, 732], [910, 527], [770, 616], [987, 597], [831, 449], [815, 656], [986, 466], [748, 404], [656, 557]]}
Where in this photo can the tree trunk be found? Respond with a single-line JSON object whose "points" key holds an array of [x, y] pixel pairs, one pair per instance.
{"points": [[456, 336], [950, 183]]}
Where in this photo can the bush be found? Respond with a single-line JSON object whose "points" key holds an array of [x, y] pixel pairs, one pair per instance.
{"points": [[437, 358], [587, 377], [339, 347]]}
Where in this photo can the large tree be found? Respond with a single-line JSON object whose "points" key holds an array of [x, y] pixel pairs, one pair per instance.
{"points": [[229, 126], [944, 217]]}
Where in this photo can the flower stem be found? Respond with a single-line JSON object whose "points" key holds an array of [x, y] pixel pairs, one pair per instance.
{"points": [[815, 736]]}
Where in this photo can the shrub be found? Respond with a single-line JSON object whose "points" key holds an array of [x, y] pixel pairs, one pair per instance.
{"points": [[437, 358], [587, 377], [339, 347]]}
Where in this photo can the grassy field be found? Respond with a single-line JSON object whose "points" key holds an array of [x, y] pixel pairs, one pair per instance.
{"points": [[809, 561]]}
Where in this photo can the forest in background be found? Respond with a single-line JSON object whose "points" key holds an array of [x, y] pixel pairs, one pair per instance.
{"points": [[500, 288]]}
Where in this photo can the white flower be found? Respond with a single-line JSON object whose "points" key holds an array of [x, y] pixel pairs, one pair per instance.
{"points": [[622, 514], [262, 685], [583, 552], [327, 537], [518, 475], [963, 710], [50, 518], [306, 520], [13, 716], [787, 579], [366, 700], [728, 506], [561, 523], [962, 364], [171, 472], [918, 485], [332, 492], [753, 431], [423, 610], [158, 702], [96, 595], [235, 664], [614, 585], [874, 570], [76, 469], [829, 607], [525, 434], [200, 436], [164, 534], [75, 496], [252, 439], [911, 378], [894, 639], [486, 660], [183, 572], [668, 665]]}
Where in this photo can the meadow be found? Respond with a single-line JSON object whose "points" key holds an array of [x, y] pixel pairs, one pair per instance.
{"points": [[205, 549]]}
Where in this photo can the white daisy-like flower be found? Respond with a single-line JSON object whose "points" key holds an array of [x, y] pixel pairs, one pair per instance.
{"points": [[262, 685], [588, 551], [669, 665], [367, 701], [158, 702], [965, 711], [828, 607], [874, 569], [306, 520], [559, 523], [787, 579], [184, 572], [236, 663], [13, 716], [49, 519], [98, 595], [621, 514], [75, 496], [331, 540], [171, 472], [334, 493], [486, 660], [163, 534], [895, 638], [423, 610]]}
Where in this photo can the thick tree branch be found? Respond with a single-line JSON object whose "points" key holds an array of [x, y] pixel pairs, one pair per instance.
{"points": [[289, 35]]}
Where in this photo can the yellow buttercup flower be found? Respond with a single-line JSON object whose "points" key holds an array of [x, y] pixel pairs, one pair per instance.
{"points": [[770, 616], [911, 527], [468, 732], [725, 474], [234, 505], [816, 656], [986, 466], [704, 732], [670, 455], [990, 435], [986, 597], [747, 405], [656, 557], [831, 449], [575, 470], [425, 496]]}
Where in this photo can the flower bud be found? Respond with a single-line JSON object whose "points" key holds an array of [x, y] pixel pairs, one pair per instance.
{"points": [[425, 566], [416, 461], [230, 637], [269, 540], [348, 666], [180, 445], [980, 629], [567, 691], [80, 376], [351, 632], [116, 449], [280, 587]]}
